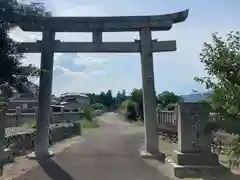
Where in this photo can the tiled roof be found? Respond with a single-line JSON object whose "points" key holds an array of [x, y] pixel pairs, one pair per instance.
{"points": [[73, 94]]}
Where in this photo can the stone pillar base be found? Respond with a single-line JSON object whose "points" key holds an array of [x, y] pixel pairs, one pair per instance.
{"points": [[189, 165], [147, 155], [34, 156], [208, 159]]}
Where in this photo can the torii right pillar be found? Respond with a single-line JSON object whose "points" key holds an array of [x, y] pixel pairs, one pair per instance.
{"points": [[150, 148]]}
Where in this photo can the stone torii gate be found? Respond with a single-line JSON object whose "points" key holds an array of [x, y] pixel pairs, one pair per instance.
{"points": [[97, 25]]}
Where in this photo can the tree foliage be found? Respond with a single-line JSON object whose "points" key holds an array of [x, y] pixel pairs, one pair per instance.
{"points": [[129, 107], [107, 99], [222, 64], [166, 99], [133, 105], [10, 55], [137, 97]]}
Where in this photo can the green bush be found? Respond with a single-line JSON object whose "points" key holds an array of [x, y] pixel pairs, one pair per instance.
{"points": [[33, 124], [87, 113], [89, 124], [234, 147], [97, 106], [231, 126], [129, 108]]}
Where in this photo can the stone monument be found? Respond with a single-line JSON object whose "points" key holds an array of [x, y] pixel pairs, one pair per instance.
{"points": [[193, 155]]}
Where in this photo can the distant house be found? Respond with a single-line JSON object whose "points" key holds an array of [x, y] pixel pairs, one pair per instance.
{"points": [[24, 95], [26, 104], [74, 100]]}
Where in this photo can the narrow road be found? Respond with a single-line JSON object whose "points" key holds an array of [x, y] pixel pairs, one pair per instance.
{"points": [[111, 152]]}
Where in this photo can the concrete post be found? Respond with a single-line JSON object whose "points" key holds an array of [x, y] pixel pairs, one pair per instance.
{"points": [[18, 115], [45, 96], [149, 97], [2, 139]]}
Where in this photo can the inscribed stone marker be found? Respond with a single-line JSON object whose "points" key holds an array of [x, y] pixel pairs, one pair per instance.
{"points": [[192, 121]]}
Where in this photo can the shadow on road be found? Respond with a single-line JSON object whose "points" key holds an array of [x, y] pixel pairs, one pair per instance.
{"points": [[222, 176], [53, 170]]}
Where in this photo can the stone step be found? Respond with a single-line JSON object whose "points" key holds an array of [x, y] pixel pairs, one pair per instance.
{"points": [[200, 159], [193, 171]]}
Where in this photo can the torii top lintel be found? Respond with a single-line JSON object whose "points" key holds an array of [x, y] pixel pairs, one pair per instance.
{"points": [[102, 24]]}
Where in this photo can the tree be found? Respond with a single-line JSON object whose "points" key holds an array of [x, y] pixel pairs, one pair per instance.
{"points": [[120, 97], [108, 98], [222, 64], [167, 98], [137, 97], [10, 55]]}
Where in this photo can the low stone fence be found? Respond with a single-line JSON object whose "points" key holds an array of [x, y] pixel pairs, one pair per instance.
{"points": [[167, 121], [14, 119], [20, 143]]}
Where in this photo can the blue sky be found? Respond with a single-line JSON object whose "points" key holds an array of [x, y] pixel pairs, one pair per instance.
{"points": [[174, 71]]}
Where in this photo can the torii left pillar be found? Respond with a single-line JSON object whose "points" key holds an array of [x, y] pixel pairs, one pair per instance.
{"points": [[45, 96], [150, 149]]}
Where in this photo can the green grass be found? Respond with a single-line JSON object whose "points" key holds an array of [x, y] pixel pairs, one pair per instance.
{"points": [[31, 124], [86, 124]]}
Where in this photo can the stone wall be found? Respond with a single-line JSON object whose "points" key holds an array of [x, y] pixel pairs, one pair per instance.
{"points": [[65, 117], [18, 120], [21, 143], [14, 120]]}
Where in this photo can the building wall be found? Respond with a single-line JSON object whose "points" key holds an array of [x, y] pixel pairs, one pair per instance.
{"points": [[72, 104], [83, 101], [78, 102], [22, 105]]}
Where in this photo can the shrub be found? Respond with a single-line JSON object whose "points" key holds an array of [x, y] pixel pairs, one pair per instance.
{"points": [[89, 124], [87, 113], [97, 106], [234, 147], [129, 108]]}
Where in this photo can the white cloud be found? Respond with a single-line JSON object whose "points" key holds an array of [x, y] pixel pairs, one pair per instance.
{"points": [[174, 71], [67, 72], [90, 59]]}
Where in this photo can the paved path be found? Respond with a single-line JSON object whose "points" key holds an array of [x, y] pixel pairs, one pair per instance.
{"points": [[110, 152]]}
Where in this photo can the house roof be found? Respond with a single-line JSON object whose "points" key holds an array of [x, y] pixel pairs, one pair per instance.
{"points": [[73, 94]]}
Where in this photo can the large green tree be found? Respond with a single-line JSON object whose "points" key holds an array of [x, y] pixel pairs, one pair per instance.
{"points": [[166, 99], [10, 56], [109, 100], [221, 58]]}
